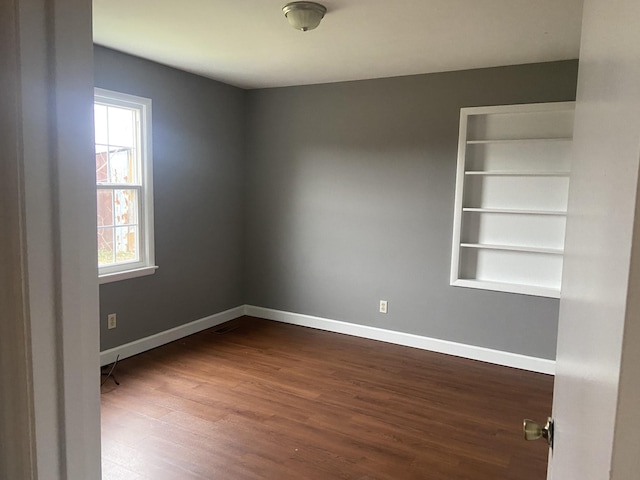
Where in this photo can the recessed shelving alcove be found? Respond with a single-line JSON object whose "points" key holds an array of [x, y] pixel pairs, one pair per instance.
{"points": [[511, 197]]}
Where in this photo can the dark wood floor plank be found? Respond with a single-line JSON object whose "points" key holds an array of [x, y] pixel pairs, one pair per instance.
{"points": [[274, 401]]}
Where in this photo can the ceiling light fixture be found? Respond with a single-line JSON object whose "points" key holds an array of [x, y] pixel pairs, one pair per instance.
{"points": [[304, 15]]}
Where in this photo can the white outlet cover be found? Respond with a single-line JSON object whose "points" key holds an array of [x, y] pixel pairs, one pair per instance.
{"points": [[383, 306]]}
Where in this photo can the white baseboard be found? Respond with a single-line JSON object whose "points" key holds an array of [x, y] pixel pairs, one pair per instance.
{"points": [[508, 359], [482, 354], [162, 338]]}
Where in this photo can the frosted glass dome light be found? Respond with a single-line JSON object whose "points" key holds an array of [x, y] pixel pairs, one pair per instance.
{"points": [[304, 15]]}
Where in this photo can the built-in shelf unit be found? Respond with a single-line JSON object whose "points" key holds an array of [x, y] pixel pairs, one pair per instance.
{"points": [[511, 197]]}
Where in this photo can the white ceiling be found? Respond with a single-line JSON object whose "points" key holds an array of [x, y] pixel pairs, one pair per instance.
{"points": [[249, 43]]}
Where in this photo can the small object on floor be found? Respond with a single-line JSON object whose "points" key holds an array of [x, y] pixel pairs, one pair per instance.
{"points": [[107, 371]]}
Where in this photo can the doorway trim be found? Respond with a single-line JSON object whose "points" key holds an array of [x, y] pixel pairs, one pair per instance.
{"points": [[53, 350]]}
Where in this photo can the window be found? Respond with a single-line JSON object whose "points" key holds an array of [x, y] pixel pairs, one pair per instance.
{"points": [[123, 185]]}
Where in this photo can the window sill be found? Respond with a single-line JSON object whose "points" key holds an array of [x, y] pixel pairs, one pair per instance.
{"points": [[126, 275]]}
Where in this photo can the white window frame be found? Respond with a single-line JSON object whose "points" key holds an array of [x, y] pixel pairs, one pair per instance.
{"points": [[146, 263]]}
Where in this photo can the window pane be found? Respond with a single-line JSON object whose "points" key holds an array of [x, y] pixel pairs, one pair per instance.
{"points": [[105, 207], [105, 247], [126, 244], [122, 165], [102, 164], [126, 207], [121, 127], [100, 123]]}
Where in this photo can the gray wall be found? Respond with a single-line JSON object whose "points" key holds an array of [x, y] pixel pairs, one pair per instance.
{"points": [[198, 128], [349, 199], [319, 200]]}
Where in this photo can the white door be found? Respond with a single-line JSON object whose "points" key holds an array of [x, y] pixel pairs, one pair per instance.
{"points": [[597, 429]]}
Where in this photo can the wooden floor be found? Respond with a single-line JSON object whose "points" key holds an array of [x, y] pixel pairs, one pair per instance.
{"points": [[263, 400]]}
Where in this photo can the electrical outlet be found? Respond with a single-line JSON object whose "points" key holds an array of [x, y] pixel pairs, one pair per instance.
{"points": [[111, 321], [383, 306]]}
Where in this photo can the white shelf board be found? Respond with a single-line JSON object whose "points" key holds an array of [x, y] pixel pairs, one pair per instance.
{"points": [[517, 173], [520, 108], [519, 140], [508, 287], [512, 211], [514, 248]]}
